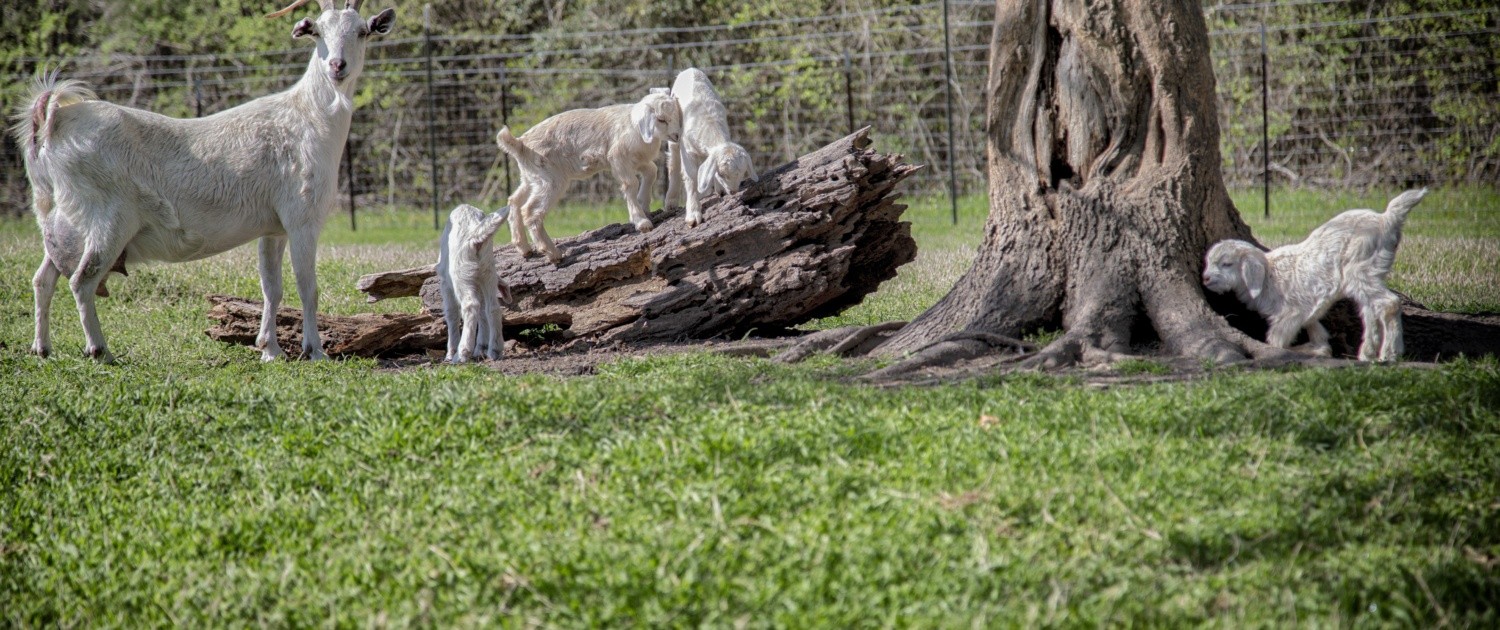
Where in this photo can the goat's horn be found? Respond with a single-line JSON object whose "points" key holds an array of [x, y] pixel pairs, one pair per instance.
{"points": [[291, 7], [353, 4]]}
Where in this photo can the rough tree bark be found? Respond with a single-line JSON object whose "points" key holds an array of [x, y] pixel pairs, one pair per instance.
{"points": [[806, 240], [1104, 187], [1104, 190]]}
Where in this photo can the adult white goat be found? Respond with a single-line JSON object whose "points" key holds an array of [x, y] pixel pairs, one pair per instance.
{"points": [[704, 159], [138, 186]]}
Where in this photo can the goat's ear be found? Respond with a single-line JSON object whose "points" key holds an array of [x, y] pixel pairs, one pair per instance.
{"points": [[706, 174], [303, 28], [1254, 275], [645, 121], [382, 22], [505, 297]]}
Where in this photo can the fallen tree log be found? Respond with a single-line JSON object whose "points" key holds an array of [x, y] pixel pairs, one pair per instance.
{"points": [[807, 240]]}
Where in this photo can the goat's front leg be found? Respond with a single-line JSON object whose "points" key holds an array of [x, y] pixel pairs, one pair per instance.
{"points": [[694, 198], [1282, 332], [636, 187], [675, 177], [272, 249], [43, 286], [86, 278], [1317, 339], [304, 245]]}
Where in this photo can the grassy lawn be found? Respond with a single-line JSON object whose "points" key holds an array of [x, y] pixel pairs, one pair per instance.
{"points": [[192, 485]]}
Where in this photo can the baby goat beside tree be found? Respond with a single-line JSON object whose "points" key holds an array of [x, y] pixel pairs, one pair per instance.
{"points": [[137, 186]]}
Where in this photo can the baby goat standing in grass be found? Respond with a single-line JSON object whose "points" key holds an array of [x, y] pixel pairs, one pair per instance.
{"points": [[576, 144], [704, 159], [1293, 286], [470, 284], [133, 185]]}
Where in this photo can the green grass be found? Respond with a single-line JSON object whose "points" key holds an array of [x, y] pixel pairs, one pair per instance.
{"points": [[193, 485]]}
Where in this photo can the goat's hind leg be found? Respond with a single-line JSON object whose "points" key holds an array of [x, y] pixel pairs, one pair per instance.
{"points": [[272, 250], [85, 281], [1388, 312], [493, 337], [43, 287]]}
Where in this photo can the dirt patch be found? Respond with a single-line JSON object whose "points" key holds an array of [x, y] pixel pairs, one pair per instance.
{"points": [[584, 361], [551, 360]]}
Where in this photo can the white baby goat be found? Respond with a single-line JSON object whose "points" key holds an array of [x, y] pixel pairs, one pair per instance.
{"points": [[705, 158], [139, 186], [1293, 286], [576, 144], [471, 286]]}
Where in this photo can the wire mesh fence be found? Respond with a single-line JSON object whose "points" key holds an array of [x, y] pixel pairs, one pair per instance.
{"points": [[1397, 95]]}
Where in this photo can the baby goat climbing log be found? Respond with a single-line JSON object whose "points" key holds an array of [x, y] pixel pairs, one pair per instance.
{"points": [[806, 240]]}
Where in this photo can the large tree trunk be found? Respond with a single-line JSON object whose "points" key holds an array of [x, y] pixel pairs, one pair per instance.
{"points": [[1104, 186], [806, 240]]}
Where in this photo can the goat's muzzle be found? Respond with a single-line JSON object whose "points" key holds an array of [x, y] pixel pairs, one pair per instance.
{"points": [[338, 69]]}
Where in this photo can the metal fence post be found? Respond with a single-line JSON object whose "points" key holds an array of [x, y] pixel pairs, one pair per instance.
{"points": [[505, 122], [948, 80], [849, 91], [431, 114], [349, 175], [1265, 130]]}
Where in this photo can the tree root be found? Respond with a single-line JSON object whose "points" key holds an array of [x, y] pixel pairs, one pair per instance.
{"points": [[950, 349], [848, 341]]}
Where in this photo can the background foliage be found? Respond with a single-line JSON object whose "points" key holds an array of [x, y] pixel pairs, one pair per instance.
{"points": [[1363, 93]]}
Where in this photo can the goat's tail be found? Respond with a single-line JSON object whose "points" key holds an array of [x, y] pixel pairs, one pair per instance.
{"points": [[35, 119], [33, 130], [517, 149], [1395, 211]]}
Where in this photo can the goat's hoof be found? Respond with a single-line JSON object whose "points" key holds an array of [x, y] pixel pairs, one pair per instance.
{"points": [[100, 354], [494, 355], [41, 350], [314, 354], [645, 225], [693, 219], [555, 258], [526, 252]]}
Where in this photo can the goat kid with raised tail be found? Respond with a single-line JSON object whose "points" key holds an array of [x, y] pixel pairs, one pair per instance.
{"points": [[471, 286], [1293, 286], [576, 144], [705, 160], [134, 186]]}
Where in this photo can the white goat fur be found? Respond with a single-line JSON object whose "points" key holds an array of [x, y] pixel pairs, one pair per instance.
{"points": [[1293, 286], [137, 186], [705, 159], [576, 144], [471, 285]]}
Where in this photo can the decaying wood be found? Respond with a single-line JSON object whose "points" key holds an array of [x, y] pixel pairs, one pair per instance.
{"points": [[371, 334], [807, 240]]}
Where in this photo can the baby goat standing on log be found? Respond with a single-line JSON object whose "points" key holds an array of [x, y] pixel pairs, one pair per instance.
{"points": [[705, 158], [471, 286], [580, 143], [139, 186], [1293, 286]]}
